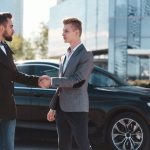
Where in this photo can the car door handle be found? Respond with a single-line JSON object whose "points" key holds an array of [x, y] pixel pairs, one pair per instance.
{"points": [[38, 95]]}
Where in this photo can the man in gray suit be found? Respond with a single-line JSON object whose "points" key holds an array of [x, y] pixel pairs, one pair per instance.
{"points": [[71, 99]]}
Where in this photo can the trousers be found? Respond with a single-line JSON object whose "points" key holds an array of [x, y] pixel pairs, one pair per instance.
{"points": [[69, 125], [7, 134]]}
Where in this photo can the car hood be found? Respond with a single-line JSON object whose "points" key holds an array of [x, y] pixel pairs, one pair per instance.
{"points": [[133, 89], [121, 92], [127, 89]]}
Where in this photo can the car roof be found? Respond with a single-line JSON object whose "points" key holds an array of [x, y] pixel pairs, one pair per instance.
{"points": [[54, 62]]}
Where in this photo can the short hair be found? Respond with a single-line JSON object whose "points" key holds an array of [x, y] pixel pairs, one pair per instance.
{"points": [[76, 23], [4, 16]]}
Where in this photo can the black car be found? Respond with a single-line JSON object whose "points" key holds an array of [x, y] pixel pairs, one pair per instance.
{"points": [[119, 113]]}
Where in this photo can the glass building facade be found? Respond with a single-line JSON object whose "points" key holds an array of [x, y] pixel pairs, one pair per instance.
{"points": [[129, 38], [16, 8], [94, 16], [120, 26]]}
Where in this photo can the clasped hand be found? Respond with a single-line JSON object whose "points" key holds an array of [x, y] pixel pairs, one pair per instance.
{"points": [[44, 81]]}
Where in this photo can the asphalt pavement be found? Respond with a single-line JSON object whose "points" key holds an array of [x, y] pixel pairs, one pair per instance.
{"points": [[30, 139]]}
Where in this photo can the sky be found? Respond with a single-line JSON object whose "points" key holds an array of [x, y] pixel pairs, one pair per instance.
{"points": [[35, 12]]}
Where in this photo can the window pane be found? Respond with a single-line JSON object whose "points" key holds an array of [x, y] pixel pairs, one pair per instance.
{"points": [[133, 62], [145, 31], [145, 44], [101, 80], [120, 57], [121, 8], [144, 68], [145, 8], [24, 69], [121, 27], [45, 70]]}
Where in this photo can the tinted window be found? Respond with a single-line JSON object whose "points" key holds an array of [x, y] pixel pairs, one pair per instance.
{"points": [[24, 69], [45, 70], [37, 70], [101, 80]]}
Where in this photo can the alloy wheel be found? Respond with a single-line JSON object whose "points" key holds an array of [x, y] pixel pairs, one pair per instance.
{"points": [[127, 134]]}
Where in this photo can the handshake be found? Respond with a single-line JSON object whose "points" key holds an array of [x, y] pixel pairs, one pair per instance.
{"points": [[44, 81]]}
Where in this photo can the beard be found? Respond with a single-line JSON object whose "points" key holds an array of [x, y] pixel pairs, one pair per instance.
{"points": [[7, 37]]}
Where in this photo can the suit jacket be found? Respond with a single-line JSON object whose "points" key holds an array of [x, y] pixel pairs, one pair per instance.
{"points": [[9, 74], [72, 84]]}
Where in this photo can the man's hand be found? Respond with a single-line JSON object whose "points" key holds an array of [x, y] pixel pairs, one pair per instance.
{"points": [[51, 115], [44, 81]]}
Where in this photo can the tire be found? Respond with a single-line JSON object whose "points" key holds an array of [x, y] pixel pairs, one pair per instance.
{"points": [[128, 131]]}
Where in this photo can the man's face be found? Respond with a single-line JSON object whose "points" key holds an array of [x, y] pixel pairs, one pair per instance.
{"points": [[8, 30], [70, 34]]}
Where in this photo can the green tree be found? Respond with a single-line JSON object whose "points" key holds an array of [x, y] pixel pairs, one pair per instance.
{"points": [[22, 48], [17, 46], [28, 50], [41, 41]]}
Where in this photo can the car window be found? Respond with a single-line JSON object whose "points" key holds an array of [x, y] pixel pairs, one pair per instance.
{"points": [[23, 69], [45, 70], [101, 80], [37, 69]]}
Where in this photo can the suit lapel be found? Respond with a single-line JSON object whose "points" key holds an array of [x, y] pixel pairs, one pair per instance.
{"points": [[63, 58], [4, 59], [8, 50], [7, 60], [2, 53], [73, 57]]}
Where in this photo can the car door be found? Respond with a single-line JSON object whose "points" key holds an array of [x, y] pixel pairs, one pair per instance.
{"points": [[40, 98], [22, 94], [101, 88]]}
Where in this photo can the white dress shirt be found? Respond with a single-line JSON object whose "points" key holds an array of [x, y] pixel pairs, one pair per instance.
{"points": [[68, 56], [3, 48]]}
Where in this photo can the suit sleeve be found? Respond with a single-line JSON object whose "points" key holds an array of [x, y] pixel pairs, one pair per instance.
{"points": [[54, 101], [18, 76], [82, 73], [30, 80]]}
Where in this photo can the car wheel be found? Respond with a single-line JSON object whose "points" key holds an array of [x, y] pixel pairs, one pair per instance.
{"points": [[128, 131]]}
